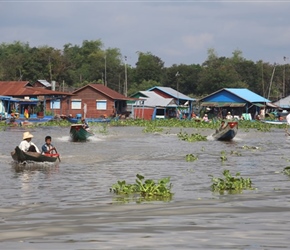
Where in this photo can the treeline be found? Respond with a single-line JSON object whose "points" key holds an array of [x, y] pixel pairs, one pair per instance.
{"points": [[75, 66]]}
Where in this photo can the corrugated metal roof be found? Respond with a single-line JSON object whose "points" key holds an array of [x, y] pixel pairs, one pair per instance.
{"points": [[23, 88], [155, 100], [172, 92], [106, 91], [247, 95], [284, 102], [45, 83], [235, 95]]}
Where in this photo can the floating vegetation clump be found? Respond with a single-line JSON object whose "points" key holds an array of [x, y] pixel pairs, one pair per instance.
{"points": [[230, 184], [191, 138], [223, 156], [236, 153], [152, 128], [286, 170], [249, 147], [191, 157], [149, 190]]}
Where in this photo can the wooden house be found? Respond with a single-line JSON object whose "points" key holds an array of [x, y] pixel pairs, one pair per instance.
{"points": [[93, 101]]}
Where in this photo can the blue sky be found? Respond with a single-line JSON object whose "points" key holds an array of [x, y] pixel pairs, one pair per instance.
{"points": [[176, 31]]}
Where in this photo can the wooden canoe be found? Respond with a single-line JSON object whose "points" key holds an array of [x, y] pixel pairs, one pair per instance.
{"points": [[78, 133], [21, 156], [228, 132]]}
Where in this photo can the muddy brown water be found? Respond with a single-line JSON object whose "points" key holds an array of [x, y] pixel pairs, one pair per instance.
{"points": [[69, 205]]}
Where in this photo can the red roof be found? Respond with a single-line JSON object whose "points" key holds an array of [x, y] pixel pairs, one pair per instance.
{"points": [[106, 91], [24, 88]]}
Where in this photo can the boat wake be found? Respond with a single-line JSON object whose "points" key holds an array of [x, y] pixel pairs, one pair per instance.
{"points": [[32, 165]]}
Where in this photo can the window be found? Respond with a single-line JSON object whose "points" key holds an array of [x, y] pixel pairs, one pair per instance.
{"points": [[55, 104], [76, 104], [101, 104]]}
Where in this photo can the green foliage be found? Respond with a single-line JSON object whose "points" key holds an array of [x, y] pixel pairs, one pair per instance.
{"points": [[250, 147], [191, 157], [287, 170], [230, 184], [85, 63], [236, 153], [147, 189], [152, 128], [223, 156], [191, 138]]}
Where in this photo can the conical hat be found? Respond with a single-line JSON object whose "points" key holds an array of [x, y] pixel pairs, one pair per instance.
{"points": [[27, 135]]}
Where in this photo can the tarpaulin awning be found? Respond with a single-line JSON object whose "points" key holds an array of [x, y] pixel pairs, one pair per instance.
{"points": [[222, 104]]}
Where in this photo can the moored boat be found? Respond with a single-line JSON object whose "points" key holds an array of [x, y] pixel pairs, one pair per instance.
{"points": [[21, 156], [227, 132], [100, 119], [78, 133]]}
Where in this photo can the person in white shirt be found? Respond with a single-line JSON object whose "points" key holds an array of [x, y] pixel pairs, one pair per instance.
{"points": [[27, 145], [229, 116]]}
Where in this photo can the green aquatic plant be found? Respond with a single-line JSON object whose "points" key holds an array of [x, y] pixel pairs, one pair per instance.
{"points": [[147, 189], [152, 128], [249, 147], [236, 153], [223, 156], [286, 170], [231, 184], [191, 157], [191, 138]]}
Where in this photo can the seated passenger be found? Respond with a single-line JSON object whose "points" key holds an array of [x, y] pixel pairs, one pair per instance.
{"points": [[27, 145]]}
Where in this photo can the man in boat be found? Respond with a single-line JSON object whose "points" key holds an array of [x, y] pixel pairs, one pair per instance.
{"points": [[85, 124], [47, 148], [223, 125], [27, 145], [229, 116]]}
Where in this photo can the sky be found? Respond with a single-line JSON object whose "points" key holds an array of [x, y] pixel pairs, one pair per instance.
{"points": [[177, 31]]}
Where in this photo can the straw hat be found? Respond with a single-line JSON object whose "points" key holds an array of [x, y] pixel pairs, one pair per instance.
{"points": [[27, 135]]}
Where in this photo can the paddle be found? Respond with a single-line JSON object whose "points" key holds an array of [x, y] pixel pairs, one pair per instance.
{"points": [[57, 153]]}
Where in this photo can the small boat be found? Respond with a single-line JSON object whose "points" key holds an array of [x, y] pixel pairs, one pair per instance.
{"points": [[78, 133], [275, 122], [21, 156], [227, 132]]}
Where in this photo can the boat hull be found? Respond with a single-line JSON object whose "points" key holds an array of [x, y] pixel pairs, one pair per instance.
{"points": [[228, 133], [21, 156], [78, 133], [76, 120]]}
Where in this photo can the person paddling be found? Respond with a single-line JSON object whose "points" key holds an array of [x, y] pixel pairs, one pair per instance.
{"points": [[47, 148]]}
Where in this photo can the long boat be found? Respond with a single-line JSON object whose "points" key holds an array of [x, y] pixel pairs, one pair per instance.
{"points": [[21, 156], [78, 133], [228, 132], [100, 119]]}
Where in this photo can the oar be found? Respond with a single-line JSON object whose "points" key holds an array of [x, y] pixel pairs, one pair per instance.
{"points": [[57, 153]]}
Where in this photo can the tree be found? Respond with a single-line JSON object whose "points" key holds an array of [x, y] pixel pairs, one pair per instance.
{"points": [[148, 67]]}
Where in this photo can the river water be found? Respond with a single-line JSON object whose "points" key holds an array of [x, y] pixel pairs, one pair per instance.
{"points": [[68, 205]]}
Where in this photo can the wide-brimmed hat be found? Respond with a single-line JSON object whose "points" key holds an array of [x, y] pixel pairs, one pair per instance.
{"points": [[27, 135]]}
